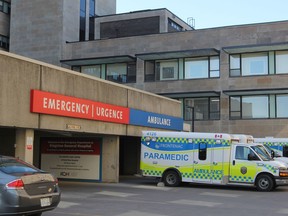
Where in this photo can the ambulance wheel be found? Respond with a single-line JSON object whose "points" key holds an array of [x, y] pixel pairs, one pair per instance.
{"points": [[265, 182], [171, 178]]}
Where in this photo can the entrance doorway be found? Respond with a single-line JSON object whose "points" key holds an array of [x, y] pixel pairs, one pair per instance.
{"points": [[129, 155]]}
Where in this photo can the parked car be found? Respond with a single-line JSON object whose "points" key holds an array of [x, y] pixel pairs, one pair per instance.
{"points": [[25, 189]]}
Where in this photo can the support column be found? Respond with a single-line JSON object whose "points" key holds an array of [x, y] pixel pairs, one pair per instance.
{"points": [[24, 145], [110, 159]]}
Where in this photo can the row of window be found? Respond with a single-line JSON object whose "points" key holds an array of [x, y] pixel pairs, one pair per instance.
{"points": [[249, 64], [241, 107], [264, 63], [259, 106], [188, 68], [5, 7], [4, 42], [120, 73]]}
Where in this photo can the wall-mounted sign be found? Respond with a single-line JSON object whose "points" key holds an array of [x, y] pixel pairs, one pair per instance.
{"points": [[73, 127], [55, 104], [154, 120], [72, 158]]}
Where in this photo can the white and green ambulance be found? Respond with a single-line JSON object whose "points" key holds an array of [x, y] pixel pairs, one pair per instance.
{"points": [[275, 153], [278, 145], [209, 158]]}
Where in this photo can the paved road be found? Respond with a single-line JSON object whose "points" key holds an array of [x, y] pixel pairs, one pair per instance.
{"points": [[141, 197]]}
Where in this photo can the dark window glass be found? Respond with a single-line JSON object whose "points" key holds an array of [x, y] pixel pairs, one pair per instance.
{"points": [[4, 7], [82, 20], [91, 20], [4, 42], [131, 72], [149, 71], [202, 151]]}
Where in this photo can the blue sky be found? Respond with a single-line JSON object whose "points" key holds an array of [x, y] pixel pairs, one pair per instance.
{"points": [[212, 13]]}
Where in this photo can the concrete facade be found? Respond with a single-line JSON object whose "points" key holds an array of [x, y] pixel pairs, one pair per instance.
{"points": [[44, 39], [20, 75], [263, 37]]}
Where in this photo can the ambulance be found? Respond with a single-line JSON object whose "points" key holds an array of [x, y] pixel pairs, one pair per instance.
{"points": [[279, 145], [209, 158], [275, 153]]}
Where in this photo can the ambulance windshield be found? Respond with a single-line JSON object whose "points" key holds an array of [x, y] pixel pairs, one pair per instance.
{"points": [[260, 150]]}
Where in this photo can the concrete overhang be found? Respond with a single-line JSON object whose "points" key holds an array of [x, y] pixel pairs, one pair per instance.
{"points": [[191, 94], [178, 54], [255, 92], [99, 60], [256, 48]]}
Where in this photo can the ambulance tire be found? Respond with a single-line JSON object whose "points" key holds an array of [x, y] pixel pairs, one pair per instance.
{"points": [[171, 178], [265, 183]]}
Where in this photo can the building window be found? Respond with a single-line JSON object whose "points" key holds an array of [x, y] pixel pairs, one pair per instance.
{"points": [[93, 70], [281, 62], [206, 67], [167, 70], [92, 20], [4, 42], [204, 108], [249, 107], [281, 106], [121, 73], [255, 107], [249, 64], [82, 20], [173, 26], [161, 70], [5, 7]]}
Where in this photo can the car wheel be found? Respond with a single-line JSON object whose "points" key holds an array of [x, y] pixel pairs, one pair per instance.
{"points": [[264, 183], [171, 178]]}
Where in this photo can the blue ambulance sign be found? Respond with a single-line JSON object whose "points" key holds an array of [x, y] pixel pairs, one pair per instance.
{"points": [[155, 120]]}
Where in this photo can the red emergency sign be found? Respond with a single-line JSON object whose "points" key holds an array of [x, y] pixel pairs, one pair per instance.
{"points": [[61, 105]]}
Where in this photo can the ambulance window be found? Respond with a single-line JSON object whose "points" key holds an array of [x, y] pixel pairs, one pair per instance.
{"points": [[285, 151], [202, 151], [242, 153]]}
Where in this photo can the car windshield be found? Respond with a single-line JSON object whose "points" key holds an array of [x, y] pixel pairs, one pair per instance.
{"points": [[11, 165], [260, 150]]}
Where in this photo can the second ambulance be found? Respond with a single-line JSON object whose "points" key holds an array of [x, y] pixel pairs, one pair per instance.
{"points": [[209, 158]]}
